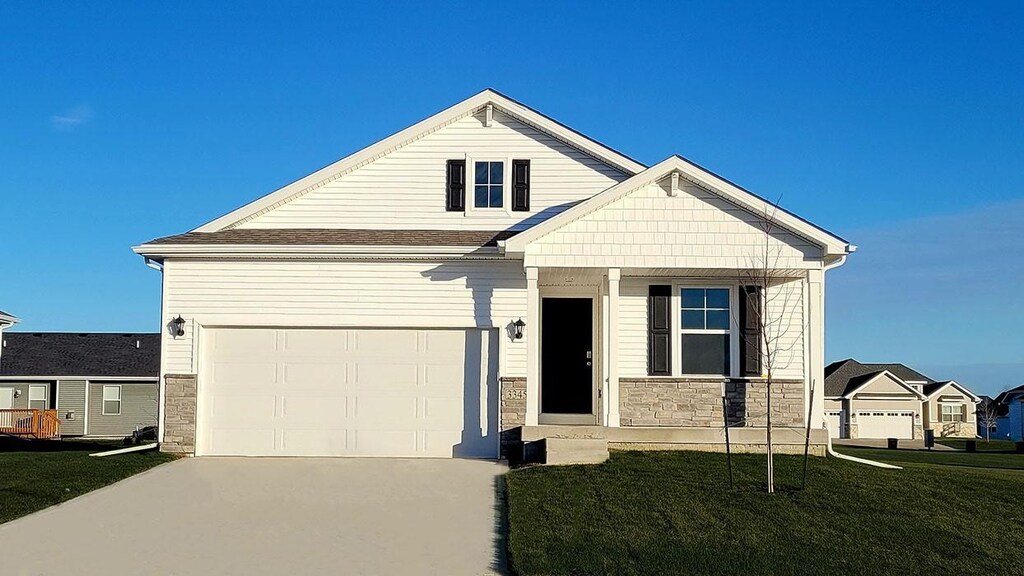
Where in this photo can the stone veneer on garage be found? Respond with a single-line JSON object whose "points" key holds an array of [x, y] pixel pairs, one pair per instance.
{"points": [[692, 402], [512, 411], [179, 414]]}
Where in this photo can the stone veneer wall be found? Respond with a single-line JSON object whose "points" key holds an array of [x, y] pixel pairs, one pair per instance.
{"points": [[955, 429], [512, 411], [698, 402], [179, 414]]}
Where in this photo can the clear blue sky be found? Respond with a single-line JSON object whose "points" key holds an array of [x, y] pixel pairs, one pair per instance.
{"points": [[899, 126]]}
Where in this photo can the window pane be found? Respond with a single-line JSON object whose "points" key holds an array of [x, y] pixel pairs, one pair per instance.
{"points": [[495, 196], [481, 173], [718, 319], [718, 298], [706, 354], [693, 319], [111, 406], [480, 200], [693, 298], [497, 172], [37, 393], [37, 404]]}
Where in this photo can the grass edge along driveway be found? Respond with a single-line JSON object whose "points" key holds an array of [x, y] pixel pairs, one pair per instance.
{"points": [[673, 513]]}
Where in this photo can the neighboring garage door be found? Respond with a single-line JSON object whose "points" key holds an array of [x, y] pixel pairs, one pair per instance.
{"points": [[332, 392], [879, 424], [835, 423]]}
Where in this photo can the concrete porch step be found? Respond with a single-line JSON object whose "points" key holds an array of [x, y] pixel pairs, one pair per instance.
{"points": [[560, 451]]}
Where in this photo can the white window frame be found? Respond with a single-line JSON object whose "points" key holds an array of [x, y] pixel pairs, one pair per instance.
{"points": [[34, 387], [506, 187], [677, 328], [104, 399], [960, 412]]}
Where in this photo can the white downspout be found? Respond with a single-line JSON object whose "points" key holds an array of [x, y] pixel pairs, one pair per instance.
{"points": [[831, 452]]}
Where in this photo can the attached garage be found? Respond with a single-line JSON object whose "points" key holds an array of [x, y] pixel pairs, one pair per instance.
{"points": [[885, 424], [348, 392]]}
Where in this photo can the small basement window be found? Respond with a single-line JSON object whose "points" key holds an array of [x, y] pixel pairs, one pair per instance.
{"points": [[952, 412], [706, 331], [37, 397], [488, 184], [111, 400]]}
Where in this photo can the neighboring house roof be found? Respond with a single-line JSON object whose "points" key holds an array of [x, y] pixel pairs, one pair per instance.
{"points": [[468, 106], [74, 354], [934, 388], [1009, 395], [705, 179], [337, 237], [846, 375]]}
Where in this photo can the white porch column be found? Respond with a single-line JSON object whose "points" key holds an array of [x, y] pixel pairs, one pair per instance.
{"points": [[614, 274], [532, 347], [816, 333]]}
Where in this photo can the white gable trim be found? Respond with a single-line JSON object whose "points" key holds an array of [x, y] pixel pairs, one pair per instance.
{"points": [[910, 388], [956, 385], [469, 106], [831, 244]]}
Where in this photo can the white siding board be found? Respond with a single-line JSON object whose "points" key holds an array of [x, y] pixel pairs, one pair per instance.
{"points": [[343, 294], [649, 228], [405, 189]]}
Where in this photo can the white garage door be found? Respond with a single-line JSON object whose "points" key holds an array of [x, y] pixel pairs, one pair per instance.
{"points": [[327, 392], [836, 423], [879, 424]]}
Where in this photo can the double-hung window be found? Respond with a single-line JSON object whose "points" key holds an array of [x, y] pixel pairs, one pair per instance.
{"points": [[111, 400], [37, 397], [706, 331], [952, 412], [488, 184]]}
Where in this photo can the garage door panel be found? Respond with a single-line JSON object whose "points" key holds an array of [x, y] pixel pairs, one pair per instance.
{"points": [[348, 392], [885, 424]]}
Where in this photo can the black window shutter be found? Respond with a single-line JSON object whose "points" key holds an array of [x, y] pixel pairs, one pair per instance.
{"points": [[659, 330], [520, 185], [750, 330], [455, 186]]}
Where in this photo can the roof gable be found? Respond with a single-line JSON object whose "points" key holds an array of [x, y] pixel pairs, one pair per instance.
{"points": [[882, 382], [842, 376], [676, 172], [470, 106], [934, 389]]}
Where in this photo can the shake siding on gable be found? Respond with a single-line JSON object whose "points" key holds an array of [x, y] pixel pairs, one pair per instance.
{"points": [[649, 228], [353, 294], [405, 189]]}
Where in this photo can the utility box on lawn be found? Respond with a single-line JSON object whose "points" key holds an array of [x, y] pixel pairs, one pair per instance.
{"points": [[929, 439]]}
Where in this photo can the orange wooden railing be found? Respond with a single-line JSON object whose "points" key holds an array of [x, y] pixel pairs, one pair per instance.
{"points": [[30, 423]]}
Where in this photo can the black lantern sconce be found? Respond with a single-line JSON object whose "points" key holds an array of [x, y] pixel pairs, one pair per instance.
{"points": [[519, 324], [178, 326]]}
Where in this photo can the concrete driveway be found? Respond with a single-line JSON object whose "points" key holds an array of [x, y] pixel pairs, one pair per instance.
{"points": [[209, 516]]}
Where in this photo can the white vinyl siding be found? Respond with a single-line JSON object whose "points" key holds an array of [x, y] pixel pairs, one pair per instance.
{"points": [[405, 189], [784, 301], [650, 229], [451, 294]]}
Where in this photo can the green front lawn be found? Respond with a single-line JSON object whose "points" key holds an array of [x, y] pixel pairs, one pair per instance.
{"points": [[980, 459], [36, 475], [983, 445], [673, 513]]}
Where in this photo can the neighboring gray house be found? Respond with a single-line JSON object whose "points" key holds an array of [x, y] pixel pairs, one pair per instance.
{"points": [[101, 384]]}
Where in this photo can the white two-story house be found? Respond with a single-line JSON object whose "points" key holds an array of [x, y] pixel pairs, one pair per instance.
{"points": [[486, 276]]}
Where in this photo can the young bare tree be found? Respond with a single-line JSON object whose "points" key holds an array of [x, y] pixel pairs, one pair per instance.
{"points": [[988, 416], [769, 306]]}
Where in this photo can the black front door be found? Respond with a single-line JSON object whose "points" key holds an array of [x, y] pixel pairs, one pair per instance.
{"points": [[566, 356]]}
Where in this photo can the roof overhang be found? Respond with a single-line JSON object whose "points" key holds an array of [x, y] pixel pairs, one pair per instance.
{"points": [[6, 320], [833, 247], [469, 106], [908, 387], [160, 252], [959, 387]]}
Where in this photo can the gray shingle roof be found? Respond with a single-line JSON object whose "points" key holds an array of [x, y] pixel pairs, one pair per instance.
{"points": [[341, 237], [74, 354], [846, 375]]}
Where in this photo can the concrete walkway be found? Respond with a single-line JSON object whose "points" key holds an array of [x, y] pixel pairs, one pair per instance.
{"points": [[883, 443], [212, 516]]}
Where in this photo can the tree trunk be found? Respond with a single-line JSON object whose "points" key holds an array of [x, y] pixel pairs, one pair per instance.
{"points": [[768, 437]]}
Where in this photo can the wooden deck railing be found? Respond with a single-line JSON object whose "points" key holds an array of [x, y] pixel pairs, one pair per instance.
{"points": [[30, 423]]}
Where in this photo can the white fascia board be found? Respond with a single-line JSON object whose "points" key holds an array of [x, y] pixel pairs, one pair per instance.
{"points": [[918, 395], [6, 321], [470, 105], [956, 385], [159, 251], [831, 244]]}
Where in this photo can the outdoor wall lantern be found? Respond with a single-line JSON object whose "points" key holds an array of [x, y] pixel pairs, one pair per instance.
{"points": [[519, 324], [178, 326]]}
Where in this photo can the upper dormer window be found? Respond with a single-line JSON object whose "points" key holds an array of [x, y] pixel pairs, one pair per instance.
{"points": [[489, 184]]}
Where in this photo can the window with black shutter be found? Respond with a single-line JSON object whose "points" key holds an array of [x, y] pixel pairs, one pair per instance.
{"points": [[455, 186], [750, 330], [659, 330], [521, 185], [706, 331]]}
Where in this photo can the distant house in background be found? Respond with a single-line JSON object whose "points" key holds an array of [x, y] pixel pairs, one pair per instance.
{"points": [[894, 401], [100, 384], [1010, 424]]}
